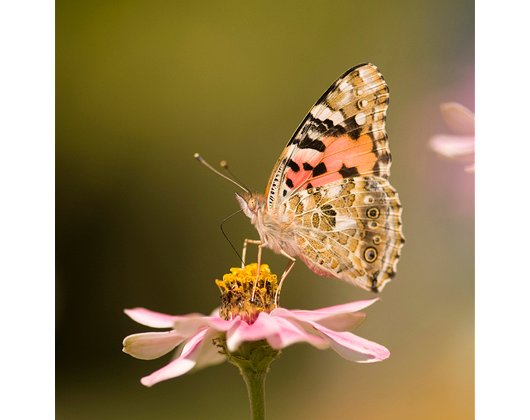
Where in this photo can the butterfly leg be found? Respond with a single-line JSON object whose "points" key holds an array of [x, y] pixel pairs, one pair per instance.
{"points": [[244, 253], [288, 269], [260, 245]]}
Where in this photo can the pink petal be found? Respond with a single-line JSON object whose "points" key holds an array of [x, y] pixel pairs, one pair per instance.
{"points": [[279, 333], [150, 318], [458, 117], [191, 357], [259, 330], [339, 318], [174, 369], [292, 333], [220, 324], [347, 307], [209, 355], [186, 325], [189, 325], [148, 346], [343, 322], [352, 347], [452, 146]]}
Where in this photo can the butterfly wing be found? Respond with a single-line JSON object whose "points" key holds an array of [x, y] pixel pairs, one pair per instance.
{"points": [[350, 229], [343, 136], [333, 177]]}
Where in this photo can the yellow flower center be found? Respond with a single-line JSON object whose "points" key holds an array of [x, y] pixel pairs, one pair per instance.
{"points": [[237, 290]]}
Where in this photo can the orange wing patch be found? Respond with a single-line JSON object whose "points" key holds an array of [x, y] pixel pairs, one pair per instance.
{"points": [[343, 157]]}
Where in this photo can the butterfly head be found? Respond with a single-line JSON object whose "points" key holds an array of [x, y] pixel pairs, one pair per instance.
{"points": [[251, 204]]}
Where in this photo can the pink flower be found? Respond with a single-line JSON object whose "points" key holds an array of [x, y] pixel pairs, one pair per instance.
{"points": [[198, 336], [462, 121]]}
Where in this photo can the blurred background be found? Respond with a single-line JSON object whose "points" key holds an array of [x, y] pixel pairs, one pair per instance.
{"points": [[141, 87]]}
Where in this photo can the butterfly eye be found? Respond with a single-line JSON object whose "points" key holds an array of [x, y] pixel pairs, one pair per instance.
{"points": [[370, 255], [377, 240], [252, 204], [373, 213]]}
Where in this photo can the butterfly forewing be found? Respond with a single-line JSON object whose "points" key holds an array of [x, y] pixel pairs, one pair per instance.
{"points": [[342, 136]]}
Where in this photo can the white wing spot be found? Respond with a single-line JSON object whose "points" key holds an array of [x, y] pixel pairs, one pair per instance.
{"points": [[363, 72], [345, 85], [321, 111], [360, 118], [368, 199], [334, 191], [345, 223]]}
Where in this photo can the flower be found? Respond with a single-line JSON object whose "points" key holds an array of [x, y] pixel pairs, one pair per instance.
{"points": [[209, 340], [461, 120]]}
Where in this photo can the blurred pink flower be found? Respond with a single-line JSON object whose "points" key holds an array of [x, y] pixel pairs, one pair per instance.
{"points": [[196, 333], [462, 121]]}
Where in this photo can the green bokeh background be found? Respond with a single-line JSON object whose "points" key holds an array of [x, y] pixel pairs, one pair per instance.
{"points": [[141, 87]]}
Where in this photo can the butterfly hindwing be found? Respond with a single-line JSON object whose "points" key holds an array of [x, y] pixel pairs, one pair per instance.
{"points": [[343, 136], [350, 229]]}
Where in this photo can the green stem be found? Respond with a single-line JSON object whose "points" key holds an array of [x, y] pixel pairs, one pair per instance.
{"points": [[253, 360], [256, 392]]}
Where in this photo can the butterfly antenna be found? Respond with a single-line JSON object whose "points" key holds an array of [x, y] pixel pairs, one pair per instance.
{"points": [[229, 241], [200, 159], [224, 165]]}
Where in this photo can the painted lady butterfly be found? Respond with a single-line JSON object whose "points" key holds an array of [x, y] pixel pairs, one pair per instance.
{"points": [[328, 200]]}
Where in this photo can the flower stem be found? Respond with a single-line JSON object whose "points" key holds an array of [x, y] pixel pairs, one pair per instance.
{"points": [[253, 360], [256, 392]]}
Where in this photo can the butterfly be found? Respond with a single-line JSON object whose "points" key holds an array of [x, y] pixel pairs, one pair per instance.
{"points": [[328, 200]]}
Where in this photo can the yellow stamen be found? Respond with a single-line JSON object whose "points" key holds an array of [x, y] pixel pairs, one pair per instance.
{"points": [[236, 292]]}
